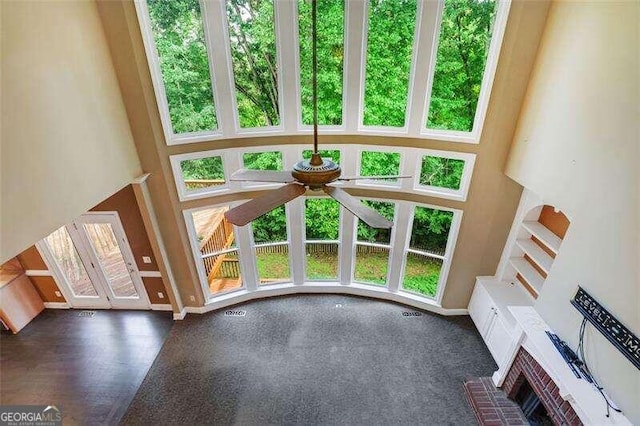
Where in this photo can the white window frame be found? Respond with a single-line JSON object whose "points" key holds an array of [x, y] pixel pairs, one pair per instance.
{"points": [[400, 238], [459, 194], [391, 246], [350, 155], [247, 271], [448, 255], [429, 15]]}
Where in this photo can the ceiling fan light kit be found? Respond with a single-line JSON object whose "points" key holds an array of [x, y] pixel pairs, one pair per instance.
{"points": [[315, 173]]}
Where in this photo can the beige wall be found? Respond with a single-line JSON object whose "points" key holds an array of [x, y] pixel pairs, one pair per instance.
{"points": [[66, 141], [577, 146]]}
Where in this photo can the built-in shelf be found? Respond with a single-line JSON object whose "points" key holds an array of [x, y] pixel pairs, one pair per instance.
{"points": [[528, 272], [539, 256], [547, 237]]}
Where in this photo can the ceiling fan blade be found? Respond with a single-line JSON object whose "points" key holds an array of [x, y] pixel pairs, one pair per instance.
{"points": [[364, 213], [262, 204], [373, 177], [262, 176]]}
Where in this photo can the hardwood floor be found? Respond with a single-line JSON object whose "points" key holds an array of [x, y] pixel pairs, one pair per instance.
{"points": [[90, 367]]}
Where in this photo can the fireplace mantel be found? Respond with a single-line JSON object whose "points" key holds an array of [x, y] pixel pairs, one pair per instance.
{"points": [[529, 333]]}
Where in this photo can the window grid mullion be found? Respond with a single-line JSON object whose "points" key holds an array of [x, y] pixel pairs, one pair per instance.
{"points": [[354, 64], [425, 51], [286, 19], [221, 69]]}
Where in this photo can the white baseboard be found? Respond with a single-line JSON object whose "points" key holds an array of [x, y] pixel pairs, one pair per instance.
{"points": [[180, 315], [57, 305], [163, 307]]}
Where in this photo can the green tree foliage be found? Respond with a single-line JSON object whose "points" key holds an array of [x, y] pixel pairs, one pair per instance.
{"points": [[202, 168], [253, 52], [462, 52], [178, 33], [376, 235], [442, 172], [374, 163], [330, 60], [389, 53], [271, 160], [430, 229], [321, 219], [270, 227]]}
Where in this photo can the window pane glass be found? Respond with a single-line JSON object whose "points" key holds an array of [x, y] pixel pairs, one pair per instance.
{"points": [[330, 60], [321, 219], [389, 55], [270, 227], [371, 265], [273, 264], [430, 230], [465, 35], [376, 235], [263, 160], [105, 246], [374, 163], [253, 53], [322, 261], [442, 172], [202, 173], [223, 273], [214, 233], [69, 262], [333, 154], [179, 38], [421, 274]]}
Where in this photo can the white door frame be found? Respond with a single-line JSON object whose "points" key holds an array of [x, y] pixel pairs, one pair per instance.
{"points": [[106, 298]]}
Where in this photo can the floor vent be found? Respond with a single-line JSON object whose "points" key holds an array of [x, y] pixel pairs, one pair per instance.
{"points": [[411, 314], [235, 313], [86, 313]]}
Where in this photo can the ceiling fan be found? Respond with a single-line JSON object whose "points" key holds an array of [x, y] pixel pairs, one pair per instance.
{"points": [[316, 174]]}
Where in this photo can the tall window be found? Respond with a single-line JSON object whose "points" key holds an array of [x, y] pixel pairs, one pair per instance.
{"points": [[272, 247], [373, 246], [389, 55], [330, 60], [179, 39], [465, 35], [427, 249], [322, 235], [217, 250], [255, 65]]}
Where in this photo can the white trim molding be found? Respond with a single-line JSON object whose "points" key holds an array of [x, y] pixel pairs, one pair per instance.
{"points": [[56, 305], [150, 274], [180, 315], [161, 307], [38, 273]]}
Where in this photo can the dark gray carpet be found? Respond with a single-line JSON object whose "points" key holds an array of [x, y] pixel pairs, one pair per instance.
{"points": [[313, 359]]}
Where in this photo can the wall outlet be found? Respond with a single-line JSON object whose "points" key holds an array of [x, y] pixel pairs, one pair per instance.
{"points": [[58, 294], [192, 298], [161, 295], [146, 259]]}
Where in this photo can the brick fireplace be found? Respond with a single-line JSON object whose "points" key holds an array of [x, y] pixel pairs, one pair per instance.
{"points": [[526, 370]]}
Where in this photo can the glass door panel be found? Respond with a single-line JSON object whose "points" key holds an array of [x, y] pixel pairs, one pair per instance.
{"points": [[107, 247], [116, 271], [70, 270]]}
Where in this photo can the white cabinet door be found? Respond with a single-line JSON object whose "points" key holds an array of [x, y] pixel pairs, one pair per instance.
{"points": [[498, 338], [481, 309]]}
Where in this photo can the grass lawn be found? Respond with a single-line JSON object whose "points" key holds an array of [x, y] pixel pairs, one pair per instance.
{"points": [[421, 272]]}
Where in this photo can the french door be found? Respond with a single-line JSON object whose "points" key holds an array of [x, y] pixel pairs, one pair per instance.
{"points": [[93, 263]]}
